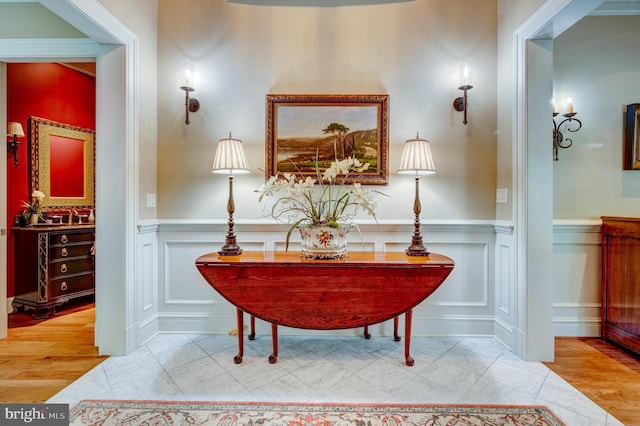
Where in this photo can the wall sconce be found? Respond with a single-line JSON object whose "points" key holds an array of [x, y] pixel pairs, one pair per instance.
{"points": [[460, 104], [230, 159], [14, 129], [190, 104], [559, 141], [417, 159]]}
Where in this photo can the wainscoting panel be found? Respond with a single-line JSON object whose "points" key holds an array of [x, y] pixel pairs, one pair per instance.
{"points": [[462, 306], [146, 292], [478, 298], [577, 251], [505, 291]]}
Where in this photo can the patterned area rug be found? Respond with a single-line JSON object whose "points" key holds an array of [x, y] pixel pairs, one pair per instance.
{"points": [[159, 413]]}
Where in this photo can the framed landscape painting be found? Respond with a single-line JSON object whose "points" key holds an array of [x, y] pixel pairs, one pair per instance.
{"points": [[632, 138], [305, 133]]}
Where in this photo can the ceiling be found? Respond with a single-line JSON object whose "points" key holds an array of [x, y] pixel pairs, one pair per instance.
{"points": [[617, 7]]}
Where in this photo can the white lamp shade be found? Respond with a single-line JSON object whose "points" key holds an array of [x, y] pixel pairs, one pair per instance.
{"points": [[417, 158], [14, 128], [230, 157]]}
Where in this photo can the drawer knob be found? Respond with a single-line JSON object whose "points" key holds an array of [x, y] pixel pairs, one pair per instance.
{"points": [[64, 252], [64, 238], [63, 286], [63, 268]]}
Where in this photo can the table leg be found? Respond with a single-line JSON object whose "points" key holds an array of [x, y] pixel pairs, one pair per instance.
{"points": [[238, 358], [274, 338], [396, 336], [252, 334], [407, 337], [367, 335]]}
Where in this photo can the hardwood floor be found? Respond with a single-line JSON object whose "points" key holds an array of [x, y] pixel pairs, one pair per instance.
{"points": [[607, 374], [39, 358]]}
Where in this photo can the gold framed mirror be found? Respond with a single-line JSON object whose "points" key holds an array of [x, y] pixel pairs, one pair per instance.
{"points": [[62, 163]]}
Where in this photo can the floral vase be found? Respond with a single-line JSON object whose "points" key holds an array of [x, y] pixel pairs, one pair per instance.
{"points": [[324, 242], [33, 219]]}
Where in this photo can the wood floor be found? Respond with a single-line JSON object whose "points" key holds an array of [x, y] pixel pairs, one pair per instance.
{"points": [[603, 372], [39, 358]]}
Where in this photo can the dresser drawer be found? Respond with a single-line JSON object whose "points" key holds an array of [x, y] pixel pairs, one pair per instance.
{"points": [[75, 250], [70, 285], [69, 237], [61, 267]]}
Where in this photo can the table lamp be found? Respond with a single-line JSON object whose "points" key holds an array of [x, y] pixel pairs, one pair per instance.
{"points": [[230, 159], [417, 160]]}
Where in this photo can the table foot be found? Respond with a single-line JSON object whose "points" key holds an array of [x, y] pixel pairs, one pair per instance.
{"points": [[239, 319], [396, 336], [407, 337], [367, 335], [252, 334], [274, 340]]}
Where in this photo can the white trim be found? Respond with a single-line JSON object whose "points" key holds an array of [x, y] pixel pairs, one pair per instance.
{"points": [[46, 50], [550, 20]]}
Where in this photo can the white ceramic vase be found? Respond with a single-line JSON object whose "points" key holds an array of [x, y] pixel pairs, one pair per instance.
{"points": [[324, 242]]}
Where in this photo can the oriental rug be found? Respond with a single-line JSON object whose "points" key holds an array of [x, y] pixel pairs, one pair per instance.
{"points": [[160, 413]]}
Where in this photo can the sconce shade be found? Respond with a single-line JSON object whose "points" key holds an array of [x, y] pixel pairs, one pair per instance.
{"points": [[417, 158], [230, 157], [15, 129]]}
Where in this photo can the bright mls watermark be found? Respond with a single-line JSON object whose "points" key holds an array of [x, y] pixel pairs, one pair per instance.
{"points": [[34, 414]]}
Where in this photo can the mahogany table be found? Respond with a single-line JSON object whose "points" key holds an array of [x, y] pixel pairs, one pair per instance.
{"points": [[284, 289]]}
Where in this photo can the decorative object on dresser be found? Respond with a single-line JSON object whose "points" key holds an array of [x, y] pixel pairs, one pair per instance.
{"points": [[632, 138], [53, 264], [32, 212], [304, 131], [417, 160], [621, 281]]}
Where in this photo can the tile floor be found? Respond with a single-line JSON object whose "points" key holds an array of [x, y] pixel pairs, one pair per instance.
{"points": [[333, 369]]}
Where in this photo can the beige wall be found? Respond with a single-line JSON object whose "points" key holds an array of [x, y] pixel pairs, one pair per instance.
{"points": [[511, 14], [141, 17], [597, 63], [410, 51]]}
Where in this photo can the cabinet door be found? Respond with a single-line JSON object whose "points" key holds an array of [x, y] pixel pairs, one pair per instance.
{"points": [[622, 290]]}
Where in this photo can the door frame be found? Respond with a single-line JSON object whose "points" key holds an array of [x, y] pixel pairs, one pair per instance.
{"points": [[115, 50]]}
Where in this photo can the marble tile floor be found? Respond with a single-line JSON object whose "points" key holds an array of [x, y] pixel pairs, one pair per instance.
{"points": [[324, 368]]}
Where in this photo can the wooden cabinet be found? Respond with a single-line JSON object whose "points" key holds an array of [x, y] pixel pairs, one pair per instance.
{"points": [[53, 265], [621, 281]]}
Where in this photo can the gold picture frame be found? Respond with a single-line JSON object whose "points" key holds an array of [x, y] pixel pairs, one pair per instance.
{"points": [[62, 163], [632, 138], [304, 133]]}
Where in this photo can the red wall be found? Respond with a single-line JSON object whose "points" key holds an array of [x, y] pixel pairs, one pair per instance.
{"points": [[50, 91]]}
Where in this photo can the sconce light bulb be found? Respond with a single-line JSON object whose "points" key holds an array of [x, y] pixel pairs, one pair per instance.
{"points": [[569, 106], [188, 78]]}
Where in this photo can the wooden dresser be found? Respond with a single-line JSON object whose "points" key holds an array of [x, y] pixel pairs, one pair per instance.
{"points": [[53, 264], [621, 281]]}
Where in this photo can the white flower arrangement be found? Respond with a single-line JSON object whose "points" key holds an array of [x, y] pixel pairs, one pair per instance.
{"points": [[326, 200]]}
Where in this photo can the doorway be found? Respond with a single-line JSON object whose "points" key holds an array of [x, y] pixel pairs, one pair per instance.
{"points": [[114, 48]]}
